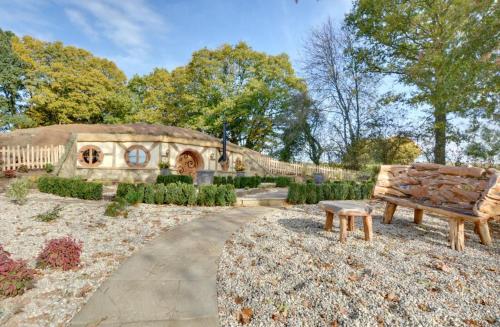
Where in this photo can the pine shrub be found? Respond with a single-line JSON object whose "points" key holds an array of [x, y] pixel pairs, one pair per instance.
{"points": [[133, 197], [206, 195], [18, 190], [311, 193], [124, 188], [149, 194], [117, 208], [61, 253], [159, 191]]}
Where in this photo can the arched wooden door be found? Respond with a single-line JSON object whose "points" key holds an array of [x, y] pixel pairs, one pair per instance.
{"points": [[188, 163]]}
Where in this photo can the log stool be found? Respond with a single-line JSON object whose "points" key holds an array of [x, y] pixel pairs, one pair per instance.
{"points": [[347, 211]]}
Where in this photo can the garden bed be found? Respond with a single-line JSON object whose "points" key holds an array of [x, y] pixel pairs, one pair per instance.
{"points": [[285, 270], [58, 295]]}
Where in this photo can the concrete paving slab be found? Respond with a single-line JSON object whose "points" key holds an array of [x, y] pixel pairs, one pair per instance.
{"points": [[172, 280]]}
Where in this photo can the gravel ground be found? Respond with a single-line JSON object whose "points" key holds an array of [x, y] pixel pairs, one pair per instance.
{"points": [[285, 270], [58, 295]]}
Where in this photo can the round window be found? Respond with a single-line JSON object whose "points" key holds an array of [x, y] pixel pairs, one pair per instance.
{"points": [[137, 156], [90, 156]]}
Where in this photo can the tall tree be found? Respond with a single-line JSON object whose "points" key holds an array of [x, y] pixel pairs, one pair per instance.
{"points": [[12, 70], [246, 88], [69, 85], [298, 130], [443, 49], [344, 88]]}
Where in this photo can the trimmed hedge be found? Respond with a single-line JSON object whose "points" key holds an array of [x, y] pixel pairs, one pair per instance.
{"points": [[300, 193], [177, 193], [168, 179], [281, 181], [70, 187], [238, 181]]}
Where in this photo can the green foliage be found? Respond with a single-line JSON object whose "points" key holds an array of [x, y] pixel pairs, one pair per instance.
{"points": [[168, 179], [70, 187], [18, 190], [133, 196], [207, 194], [310, 193], [180, 194], [445, 50], [123, 189], [159, 193], [281, 181], [117, 208], [238, 181], [149, 194], [230, 194], [68, 84], [50, 215], [48, 167]]}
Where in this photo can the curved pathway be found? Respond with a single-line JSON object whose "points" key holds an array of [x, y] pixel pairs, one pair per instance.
{"points": [[172, 280]]}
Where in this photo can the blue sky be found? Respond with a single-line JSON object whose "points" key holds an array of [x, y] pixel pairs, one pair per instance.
{"points": [[139, 35]]}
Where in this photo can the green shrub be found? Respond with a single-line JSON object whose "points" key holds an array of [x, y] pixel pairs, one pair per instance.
{"points": [[50, 215], [48, 168], [159, 195], [207, 194], [117, 208], [70, 187], [18, 190], [299, 193], [123, 189], [220, 196], [230, 194], [311, 193], [133, 197], [168, 179], [189, 194], [149, 194]]}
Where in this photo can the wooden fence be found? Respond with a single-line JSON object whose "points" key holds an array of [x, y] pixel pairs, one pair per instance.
{"points": [[276, 167], [33, 157]]}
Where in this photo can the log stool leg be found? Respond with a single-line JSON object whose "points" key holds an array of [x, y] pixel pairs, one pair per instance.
{"points": [[390, 208], [418, 215], [350, 224], [329, 221], [456, 234], [343, 228], [367, 226], [484, 232]]}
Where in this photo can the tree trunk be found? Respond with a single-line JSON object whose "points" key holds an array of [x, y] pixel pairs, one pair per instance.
{"points": [[440, 135]]}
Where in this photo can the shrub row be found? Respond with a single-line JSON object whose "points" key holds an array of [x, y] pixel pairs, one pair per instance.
{"points": [[72, 187], [168, 179], [238, 181], [177, 193], [281, 181], [299, 193]]}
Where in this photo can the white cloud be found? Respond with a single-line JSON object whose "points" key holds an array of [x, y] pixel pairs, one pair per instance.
{"points": [[77, 18], [125, 23]]}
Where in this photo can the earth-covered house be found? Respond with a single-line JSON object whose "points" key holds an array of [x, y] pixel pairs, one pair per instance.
{"points": [[131, 151]]}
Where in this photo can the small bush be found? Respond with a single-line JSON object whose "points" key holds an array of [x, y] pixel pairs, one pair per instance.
{"points": [[299, 193], [18, 190], [22, 169], [159, 193], [15, 276], [50, 215], [149, 194], [133, 197], [61, 253], [70, 187], [207, 194], [48, 168], [230, 194], [117, 208], [311, 193], [124, 188], [174, 179], [9, 173], [220, 195]]}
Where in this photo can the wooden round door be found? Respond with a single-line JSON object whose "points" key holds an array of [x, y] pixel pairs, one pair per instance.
{"points": [[187, 164]]}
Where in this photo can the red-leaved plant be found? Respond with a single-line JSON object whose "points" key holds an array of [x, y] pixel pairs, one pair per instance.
{"points": [[61, 253], [9, 173], [15, 276]]}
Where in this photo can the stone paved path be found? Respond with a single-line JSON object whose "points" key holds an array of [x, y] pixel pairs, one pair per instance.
{"points": [[171, 281]]}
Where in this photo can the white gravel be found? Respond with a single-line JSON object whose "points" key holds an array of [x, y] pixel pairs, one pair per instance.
{"points": [[290, 272], [57, 296]]}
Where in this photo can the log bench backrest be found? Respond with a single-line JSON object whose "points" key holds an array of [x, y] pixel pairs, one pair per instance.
{"points": [[470, 190]]}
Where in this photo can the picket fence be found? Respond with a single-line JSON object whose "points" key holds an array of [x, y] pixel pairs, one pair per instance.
{"points": [[33, 157], [281, 168]]}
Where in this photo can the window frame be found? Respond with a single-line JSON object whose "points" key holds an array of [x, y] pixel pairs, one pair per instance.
{"points": [[90, 147], [137, 148]]}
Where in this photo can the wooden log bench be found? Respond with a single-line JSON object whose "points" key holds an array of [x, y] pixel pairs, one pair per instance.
{"points": [[458, 194], [347, 212]]}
